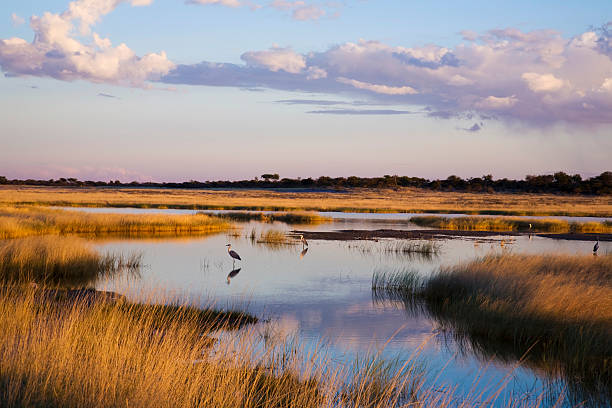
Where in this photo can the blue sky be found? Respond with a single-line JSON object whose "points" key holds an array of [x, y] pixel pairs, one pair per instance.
{"points": [[214, 91]]}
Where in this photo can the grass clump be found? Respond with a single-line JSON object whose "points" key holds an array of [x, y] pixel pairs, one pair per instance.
{"points": [[117, 354], [554, 309], [58, 259], [269, 217], [511, 224], [21, 221]]}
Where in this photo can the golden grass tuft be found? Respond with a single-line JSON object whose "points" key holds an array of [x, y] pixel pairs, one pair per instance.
{"points": [[511, 224], [554, 311], [273, 237], [21, 221], [58, 259], [101, 354], [286, 217]]}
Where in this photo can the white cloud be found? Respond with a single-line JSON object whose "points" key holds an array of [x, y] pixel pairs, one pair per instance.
{"points": [[16, 20], [537, 76], [228, 3], [495, 102], [276, 59], [305, 13], [380, 89], [316, 73], [542, 83], [607, 85], [300, 9], [55, 52]]}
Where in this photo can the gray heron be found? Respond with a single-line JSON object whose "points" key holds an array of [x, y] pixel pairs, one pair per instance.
{"points": [[596, 247], [304, 242], [233, 253]]}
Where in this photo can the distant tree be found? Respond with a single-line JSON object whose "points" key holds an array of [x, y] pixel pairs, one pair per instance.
{"points": [[270, 176]]}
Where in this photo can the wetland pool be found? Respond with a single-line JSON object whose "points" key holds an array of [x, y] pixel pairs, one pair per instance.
{"points": [[323, 296]]}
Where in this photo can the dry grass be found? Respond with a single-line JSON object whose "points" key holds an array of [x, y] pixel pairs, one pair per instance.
{"points": [[356, 200], [21, 221], [556, 309], [107, 354], [287, 218], [511, 224], [273, 237], [58, 260]]}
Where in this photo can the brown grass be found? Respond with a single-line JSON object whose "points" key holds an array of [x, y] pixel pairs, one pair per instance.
{"points": [[21, 221], [357, 200], [102, 354], [511, 224], [553, 310], [67, 260]]}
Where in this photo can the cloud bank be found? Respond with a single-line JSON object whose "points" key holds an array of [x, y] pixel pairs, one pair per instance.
{"points": [[57, 52], [537, 76]]}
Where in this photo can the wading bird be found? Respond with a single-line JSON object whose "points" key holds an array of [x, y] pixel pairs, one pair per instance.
{"points": [[233, 253], [596, 247], [231, 275], [304, 242]]}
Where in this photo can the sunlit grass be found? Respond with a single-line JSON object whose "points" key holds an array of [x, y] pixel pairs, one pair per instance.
{"points": [[53, 259], [21, 221], [554, 309], [511, 224], [286, 217], [403, 200], [118, 354]]}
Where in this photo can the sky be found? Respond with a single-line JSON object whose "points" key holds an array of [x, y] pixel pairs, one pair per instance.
{"points": [[174, 90]]}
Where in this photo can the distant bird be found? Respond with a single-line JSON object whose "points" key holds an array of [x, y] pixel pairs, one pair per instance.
{"points": [[304, 242], [232, 274], [530, 226], [233, 253], [596, 247]]}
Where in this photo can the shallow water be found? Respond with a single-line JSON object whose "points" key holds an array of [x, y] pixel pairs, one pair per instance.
{"points": [[325, 295]]}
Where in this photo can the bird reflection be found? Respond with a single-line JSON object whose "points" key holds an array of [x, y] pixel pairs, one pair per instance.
{"points": [[232, 274], [303, 252]]}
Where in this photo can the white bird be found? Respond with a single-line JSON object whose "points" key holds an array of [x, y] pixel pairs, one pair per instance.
{"points": [[233, 253], [304, 242]]}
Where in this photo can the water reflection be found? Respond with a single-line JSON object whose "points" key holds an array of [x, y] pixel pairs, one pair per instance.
{"points": [[326, 293], [233, 274], [576, 370]]}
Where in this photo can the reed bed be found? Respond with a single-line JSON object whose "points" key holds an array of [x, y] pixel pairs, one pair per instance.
{"points": [[59, 259], [273, 237], [21, 221], [511, 224], [426, 249], [270, 217], [553, 310], [404, 200], [109, 354]]}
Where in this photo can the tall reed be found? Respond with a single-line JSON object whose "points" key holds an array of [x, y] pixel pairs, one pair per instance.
{"points": [[58, 259]]}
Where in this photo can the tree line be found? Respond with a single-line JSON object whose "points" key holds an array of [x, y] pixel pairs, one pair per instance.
{"points": [[559, 182]]}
